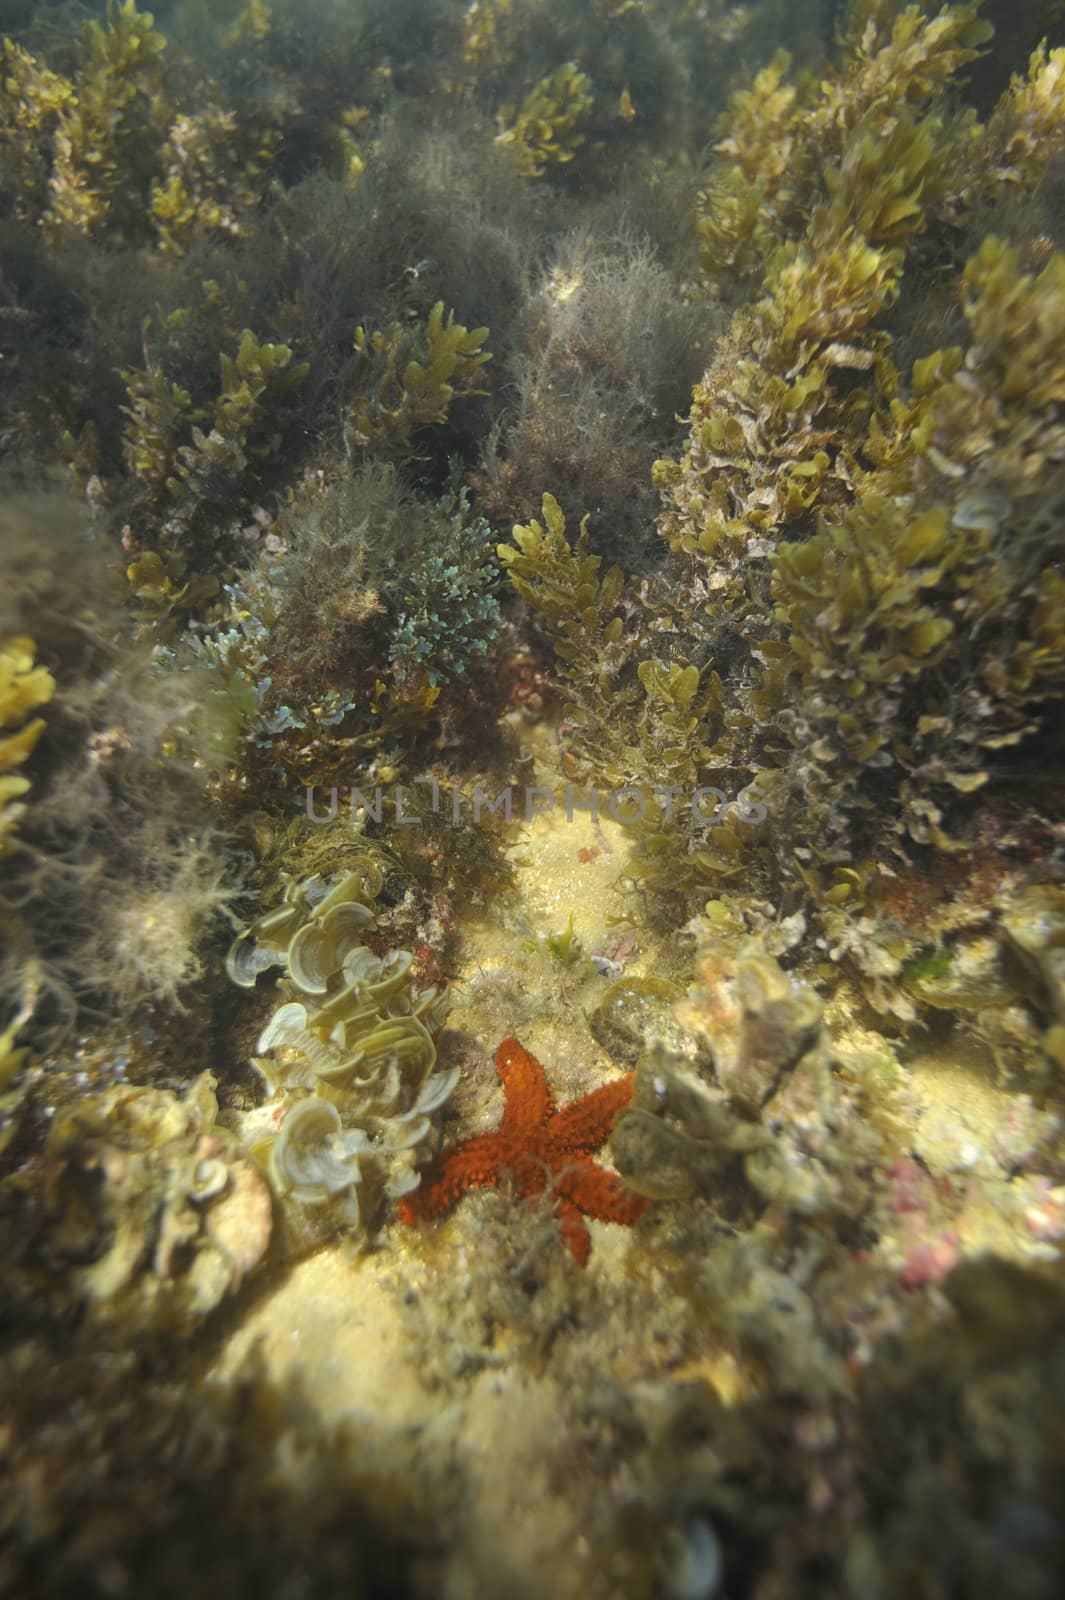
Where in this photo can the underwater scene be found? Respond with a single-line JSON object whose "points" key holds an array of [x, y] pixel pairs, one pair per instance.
{"points": [[532, 800]]}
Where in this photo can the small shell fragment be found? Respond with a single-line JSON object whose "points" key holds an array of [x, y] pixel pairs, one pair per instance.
{"points": [[209, 1178]]}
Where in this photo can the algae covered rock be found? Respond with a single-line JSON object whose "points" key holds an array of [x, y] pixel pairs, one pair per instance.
{"points": [[632, 1012], [1034, 925], [157, 1210], [771, 1096], [679, 1136]]}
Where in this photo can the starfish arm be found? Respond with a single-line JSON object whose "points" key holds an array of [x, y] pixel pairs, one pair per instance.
{"points": [[584, 1124], [527, 1101], [598, 1193], [474, 1165], [574, 1232]]}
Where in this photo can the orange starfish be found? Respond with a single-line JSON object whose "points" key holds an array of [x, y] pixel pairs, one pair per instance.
{"points": [[540, 1145]]}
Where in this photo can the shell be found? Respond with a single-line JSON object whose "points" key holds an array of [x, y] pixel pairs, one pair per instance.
{"points": [[632, 1012], [241, 1221], [209, 1178]]}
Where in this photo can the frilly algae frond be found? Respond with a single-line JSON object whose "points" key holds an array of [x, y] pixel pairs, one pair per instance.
{"points": [[257, 370], [780, 139], [107, 148], [359, 1040], [166, 450], [165, 594], [562, 582], [214, 171], [102, 156], [34, 100], [835, 522], [642, 726], [803, 414]]}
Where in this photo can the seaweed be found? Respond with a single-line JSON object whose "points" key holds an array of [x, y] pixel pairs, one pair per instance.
{"points": [[406, 378], [23, 688], [545, 128], [450, 615], [302, 307], [119, 866], [608, 353]]}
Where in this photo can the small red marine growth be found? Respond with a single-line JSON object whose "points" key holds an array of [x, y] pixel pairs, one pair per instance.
{"points": [[543, 1147]]}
